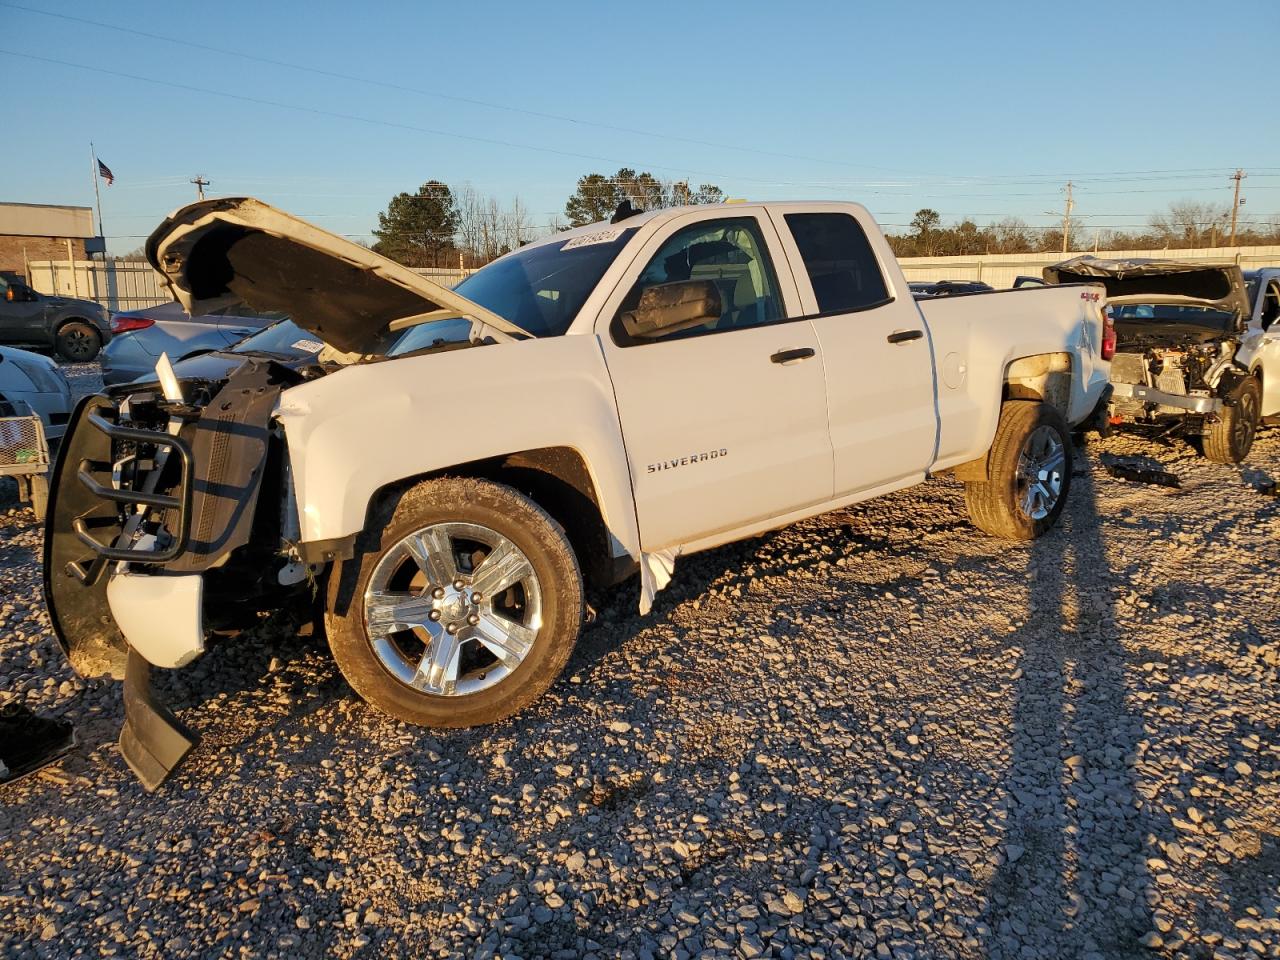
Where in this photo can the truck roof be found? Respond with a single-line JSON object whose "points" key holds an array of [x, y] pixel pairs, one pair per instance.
{"points": [[670, 213]]}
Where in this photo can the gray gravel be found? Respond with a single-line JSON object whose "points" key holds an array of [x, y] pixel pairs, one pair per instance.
{"points": [[878, 733]]}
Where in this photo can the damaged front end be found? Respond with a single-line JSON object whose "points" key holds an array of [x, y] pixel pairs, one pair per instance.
{"points": [[172, 513], [1173, 377], [155, 536], [1178, 326]]}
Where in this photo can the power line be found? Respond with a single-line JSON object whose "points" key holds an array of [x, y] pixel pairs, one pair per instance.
{"points": [[316, 111], [470, 101], [488, 104]]}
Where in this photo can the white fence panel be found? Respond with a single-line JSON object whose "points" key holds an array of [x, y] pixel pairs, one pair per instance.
{"points": [[1001, 269], [116, 284]]}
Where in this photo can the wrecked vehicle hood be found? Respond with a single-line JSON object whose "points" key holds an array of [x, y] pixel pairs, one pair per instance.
{"points": [[1143, 280], [217, 253]]}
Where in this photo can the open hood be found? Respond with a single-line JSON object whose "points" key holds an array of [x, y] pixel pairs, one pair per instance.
{"points": [[1187, 283], [217, 253]]}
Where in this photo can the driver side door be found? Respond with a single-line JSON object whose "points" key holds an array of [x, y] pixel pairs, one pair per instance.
{"points": [[725, 424]]}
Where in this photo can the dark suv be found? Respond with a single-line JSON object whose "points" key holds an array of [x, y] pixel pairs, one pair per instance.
{"points": [[77, 329]]}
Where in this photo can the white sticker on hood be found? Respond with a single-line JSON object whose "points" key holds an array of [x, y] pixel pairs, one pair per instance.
{"points": [[600, 236], [311, 346]]}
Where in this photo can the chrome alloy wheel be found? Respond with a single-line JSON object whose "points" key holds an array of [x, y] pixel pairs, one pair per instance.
{"points": [[452, 609], [1039, 478]]}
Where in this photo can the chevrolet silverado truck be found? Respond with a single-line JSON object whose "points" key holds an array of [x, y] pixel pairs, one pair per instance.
{"points": [[1198, 348], [448, 471]]}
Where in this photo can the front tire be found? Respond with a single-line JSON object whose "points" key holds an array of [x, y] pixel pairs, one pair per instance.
{"points": [[77, 342], [1029, 473], [1230, 439], [460, 607]]}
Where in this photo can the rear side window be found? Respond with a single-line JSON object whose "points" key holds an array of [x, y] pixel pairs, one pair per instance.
{"points": [[838, 258]]}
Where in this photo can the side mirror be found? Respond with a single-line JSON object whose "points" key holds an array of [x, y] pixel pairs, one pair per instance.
{"points": [[671, 307]]}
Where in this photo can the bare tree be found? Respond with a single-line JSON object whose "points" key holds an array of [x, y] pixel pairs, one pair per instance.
{"points": [[518, 226], [1189, 223]]}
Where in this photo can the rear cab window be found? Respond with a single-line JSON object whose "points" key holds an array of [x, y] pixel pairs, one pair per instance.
{"points": [[838, 258]]}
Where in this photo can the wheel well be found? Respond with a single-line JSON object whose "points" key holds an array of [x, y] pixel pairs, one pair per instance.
{"points": [[66, 320], [1045, 377], [555, 478]]}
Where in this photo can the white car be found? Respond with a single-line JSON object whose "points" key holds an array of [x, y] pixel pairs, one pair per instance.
{"points": [[455, 467], [1198, 348], [31, 384]]}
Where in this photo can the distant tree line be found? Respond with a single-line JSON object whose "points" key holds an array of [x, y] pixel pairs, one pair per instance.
{"points": [[442, 226], [1186, 224]]}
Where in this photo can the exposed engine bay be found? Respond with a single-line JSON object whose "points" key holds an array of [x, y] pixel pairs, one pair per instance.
{"points": [[1180, 359], [1178, 326]]}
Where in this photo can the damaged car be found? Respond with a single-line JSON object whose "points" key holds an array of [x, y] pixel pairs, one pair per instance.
{"points": [[1197, 351], [441, 475]]}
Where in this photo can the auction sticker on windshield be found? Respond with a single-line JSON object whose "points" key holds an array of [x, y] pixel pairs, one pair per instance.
{"points": [[311, 346], [600, 236]]}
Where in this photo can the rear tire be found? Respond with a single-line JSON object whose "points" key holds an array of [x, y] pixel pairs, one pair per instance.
{"points": [[77, 342], [1029, 473], [1231, 438], [417, 571]]}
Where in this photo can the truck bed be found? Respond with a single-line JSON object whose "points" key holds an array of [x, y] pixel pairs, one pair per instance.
{"points": [[978, 336]]}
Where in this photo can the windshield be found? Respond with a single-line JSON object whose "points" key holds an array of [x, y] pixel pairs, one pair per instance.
{"points": [[433, 334], [284, 339], [541, 289]]}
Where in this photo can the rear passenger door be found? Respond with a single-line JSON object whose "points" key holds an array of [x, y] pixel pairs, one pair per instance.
{"points": [[725, 424], [875, 347]]}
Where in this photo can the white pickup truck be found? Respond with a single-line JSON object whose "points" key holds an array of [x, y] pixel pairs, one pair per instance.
{"points": [[449, 470]]}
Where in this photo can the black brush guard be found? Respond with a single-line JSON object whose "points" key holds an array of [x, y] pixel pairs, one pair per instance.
{"points": [[178, 503], [209, 503], [82, 537]]}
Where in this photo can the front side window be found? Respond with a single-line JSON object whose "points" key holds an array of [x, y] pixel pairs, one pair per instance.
{"points": [[1271, 306], [731, 254], [838, 258]]}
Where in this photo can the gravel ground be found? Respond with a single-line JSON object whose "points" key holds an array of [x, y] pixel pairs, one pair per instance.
{"points": [[877, 733]]}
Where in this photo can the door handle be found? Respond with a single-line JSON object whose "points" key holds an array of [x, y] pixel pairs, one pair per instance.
{"points": [[904, 336], [790, 356]]}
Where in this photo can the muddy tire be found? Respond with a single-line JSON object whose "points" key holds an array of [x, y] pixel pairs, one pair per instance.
{"points": [[1029, 473], [1231, 438], [460, 606], [77, 342]]}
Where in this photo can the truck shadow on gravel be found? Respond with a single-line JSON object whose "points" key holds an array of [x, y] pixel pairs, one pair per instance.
{"points": [[1072, 879]]}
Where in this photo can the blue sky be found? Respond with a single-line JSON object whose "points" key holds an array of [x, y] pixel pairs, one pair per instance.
{"points": [[979, 110]]}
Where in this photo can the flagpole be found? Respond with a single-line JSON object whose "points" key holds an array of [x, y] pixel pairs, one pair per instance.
{"points": [[98, 195]]}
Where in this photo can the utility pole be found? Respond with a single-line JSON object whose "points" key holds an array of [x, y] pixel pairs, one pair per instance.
{"points": [[200, 183], [1235, 202], [1066, 218]]}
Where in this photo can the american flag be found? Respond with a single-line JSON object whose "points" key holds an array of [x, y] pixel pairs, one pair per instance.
{"points": [[105, 172]]}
